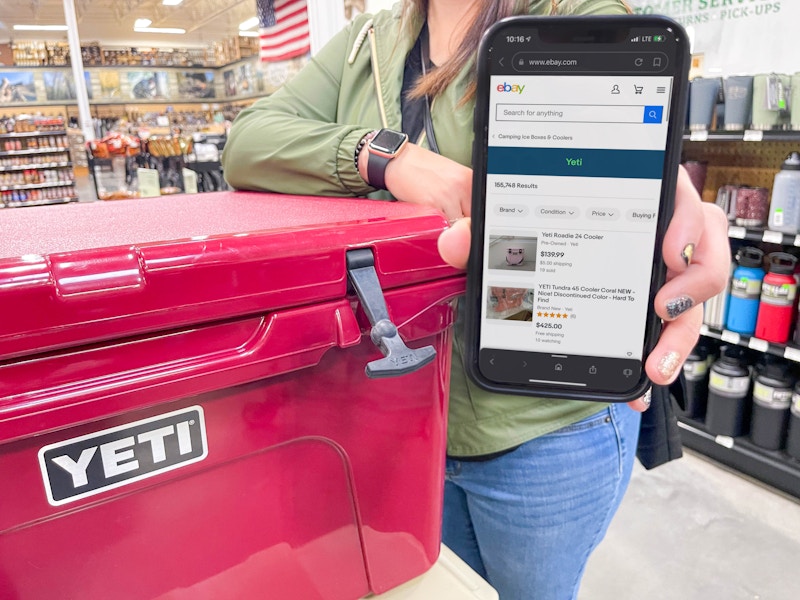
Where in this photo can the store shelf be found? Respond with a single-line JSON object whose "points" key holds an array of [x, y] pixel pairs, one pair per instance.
{"points": [[34, 167], [763, 235], [731, 337], [35, 186], [32, 151], [43, 202], [774, 468], [750, 135], [30, 134]]}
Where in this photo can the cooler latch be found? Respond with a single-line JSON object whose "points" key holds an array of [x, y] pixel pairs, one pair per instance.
{"points": [[398, 359]]}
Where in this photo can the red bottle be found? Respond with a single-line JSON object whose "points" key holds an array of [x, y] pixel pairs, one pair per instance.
{"points": [[778, 292]]}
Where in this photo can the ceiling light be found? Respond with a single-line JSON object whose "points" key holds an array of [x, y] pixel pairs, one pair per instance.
{"points": [[177, 30], [171, 2], [40, 27], [249, 24], [139, 23], [248, 33]]}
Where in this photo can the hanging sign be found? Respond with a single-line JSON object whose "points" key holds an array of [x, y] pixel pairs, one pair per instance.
{"points": [[735, 36]]}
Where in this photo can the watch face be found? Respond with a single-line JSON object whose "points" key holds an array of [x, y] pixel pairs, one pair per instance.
{"points": [[388, 141]]}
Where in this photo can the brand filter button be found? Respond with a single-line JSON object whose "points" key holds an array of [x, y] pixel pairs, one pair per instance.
{"points": [[511, 210]]}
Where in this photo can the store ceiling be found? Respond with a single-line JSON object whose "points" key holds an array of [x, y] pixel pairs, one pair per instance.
{"points": [[111, 21]]}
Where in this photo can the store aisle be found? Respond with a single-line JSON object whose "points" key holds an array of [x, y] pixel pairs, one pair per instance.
{"points": [[692, 530]]}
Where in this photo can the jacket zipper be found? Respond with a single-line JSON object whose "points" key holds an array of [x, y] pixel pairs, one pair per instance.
{"points": [[377, 77]]}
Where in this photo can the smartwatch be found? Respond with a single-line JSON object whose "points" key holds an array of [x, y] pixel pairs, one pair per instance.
{"points": [[383, 147]]}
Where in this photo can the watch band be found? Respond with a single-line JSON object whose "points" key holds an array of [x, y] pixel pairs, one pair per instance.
{"points": [[376, 170]]}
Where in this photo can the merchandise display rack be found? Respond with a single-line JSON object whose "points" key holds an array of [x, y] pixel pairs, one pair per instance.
{"points": [[774, 468], [750, 157], [790, 353], [26, 181], [748, 135]]}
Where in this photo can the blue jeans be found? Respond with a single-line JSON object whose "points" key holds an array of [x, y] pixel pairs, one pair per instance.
{"points": [[528, 520]]}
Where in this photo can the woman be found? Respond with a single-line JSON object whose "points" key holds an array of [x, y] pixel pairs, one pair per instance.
{"points": [[531, 484]]}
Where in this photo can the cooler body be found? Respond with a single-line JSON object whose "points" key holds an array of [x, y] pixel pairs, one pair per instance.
{"points": [[184, 411]]}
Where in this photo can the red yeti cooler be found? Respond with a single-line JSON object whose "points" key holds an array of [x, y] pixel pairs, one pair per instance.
{"points": [[229, 395]]}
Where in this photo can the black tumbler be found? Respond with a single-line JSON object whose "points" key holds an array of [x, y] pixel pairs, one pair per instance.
{"points": [[793, 437], [695, 372], [772, 398], [728, 409]]}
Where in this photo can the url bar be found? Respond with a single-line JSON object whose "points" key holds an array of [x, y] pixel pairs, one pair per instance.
{"points": [[589, 62], [580, 113]]}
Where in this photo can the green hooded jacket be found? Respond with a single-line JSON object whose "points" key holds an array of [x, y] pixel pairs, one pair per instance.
{"points": [[301, 140]]}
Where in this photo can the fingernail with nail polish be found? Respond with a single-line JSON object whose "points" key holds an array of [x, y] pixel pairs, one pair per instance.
{"points": [[678, 306], [687, 253], [647, 398], [668, 364]]}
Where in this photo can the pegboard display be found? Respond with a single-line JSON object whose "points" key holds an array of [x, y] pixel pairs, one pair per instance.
{"points": [[738, 162]]}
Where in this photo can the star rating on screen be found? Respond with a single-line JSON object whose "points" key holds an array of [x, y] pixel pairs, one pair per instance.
{"points": [[283, 29], [549, 315]]}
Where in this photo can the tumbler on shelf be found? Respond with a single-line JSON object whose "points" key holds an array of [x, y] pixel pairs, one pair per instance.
{"points": [[752, 206], [728, 410], [793, 437], [695, 372], [772, 399], [726, 200], [770, 101], [715, 310], [794, 118], [697, 170], [703, 95], [738, 101]]}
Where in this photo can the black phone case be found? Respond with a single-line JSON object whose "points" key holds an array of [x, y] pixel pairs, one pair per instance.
{"points": [[678, 109]]}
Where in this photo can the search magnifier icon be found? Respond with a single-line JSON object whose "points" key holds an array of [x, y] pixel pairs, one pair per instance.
{"points": [[653, 114]]}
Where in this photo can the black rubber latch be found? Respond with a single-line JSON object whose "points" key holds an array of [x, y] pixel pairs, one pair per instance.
{"points": [[398, 359]]}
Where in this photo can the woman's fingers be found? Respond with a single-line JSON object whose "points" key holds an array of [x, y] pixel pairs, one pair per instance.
{"points": [[696, 251], [454, 243]]}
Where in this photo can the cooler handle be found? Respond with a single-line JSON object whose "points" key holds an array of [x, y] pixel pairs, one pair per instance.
{"points": [[398, 359]]}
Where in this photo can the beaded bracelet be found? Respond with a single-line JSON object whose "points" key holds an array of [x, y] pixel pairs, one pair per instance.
{"points": [[360, 146]]}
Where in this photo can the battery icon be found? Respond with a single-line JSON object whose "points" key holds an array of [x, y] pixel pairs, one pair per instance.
{"points": [[658, 38]]}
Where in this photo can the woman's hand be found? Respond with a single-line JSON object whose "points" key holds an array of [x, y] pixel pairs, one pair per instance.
{"points": [[420, 176], [697, 254]]}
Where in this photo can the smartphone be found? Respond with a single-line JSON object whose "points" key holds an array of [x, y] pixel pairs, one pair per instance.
{"points": [[578, 129]]}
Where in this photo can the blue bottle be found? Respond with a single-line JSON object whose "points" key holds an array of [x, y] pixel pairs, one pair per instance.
{"points": [[745, 290]]}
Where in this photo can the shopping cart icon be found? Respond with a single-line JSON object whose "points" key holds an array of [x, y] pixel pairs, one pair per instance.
{"points": [[638, 88]]}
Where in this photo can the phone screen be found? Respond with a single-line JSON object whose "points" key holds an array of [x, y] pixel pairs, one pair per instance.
{"points": [[579, 141]]}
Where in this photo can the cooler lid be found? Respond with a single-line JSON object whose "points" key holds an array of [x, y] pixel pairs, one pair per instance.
{"points": [[81, 273]]}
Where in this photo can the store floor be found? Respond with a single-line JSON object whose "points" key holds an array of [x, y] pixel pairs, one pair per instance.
{"points": [[692, 530]]}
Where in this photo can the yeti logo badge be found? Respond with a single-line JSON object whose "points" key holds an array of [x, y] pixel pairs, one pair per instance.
{"points": [[93, 463]]}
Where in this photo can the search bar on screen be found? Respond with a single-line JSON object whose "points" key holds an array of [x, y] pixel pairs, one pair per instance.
{"points": [[580, 113]]}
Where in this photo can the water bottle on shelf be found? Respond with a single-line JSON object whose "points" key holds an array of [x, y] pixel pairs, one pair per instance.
{"points": [[728, 409], [745, 291], [778, 292], [784, 208], [772, 399]]}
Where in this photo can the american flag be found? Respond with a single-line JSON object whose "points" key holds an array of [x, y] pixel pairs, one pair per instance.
{"points": [[283, 29]]}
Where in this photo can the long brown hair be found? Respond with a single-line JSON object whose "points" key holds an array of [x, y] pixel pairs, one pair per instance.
{"points": [[484, 14]]}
